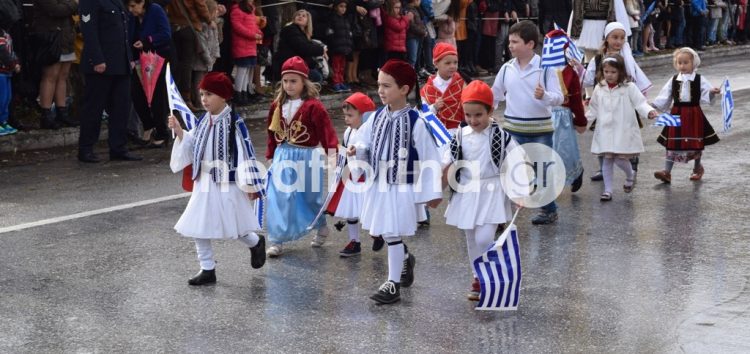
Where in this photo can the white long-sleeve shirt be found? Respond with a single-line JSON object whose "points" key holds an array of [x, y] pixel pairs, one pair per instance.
{"points": [[663, 102]]}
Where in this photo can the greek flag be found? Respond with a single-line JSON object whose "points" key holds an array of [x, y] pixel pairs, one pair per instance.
{"points": [[177, 103], [553, 51], [573, 50], [439, 131], [667, 120], [260, 211], [727, 106], [499, 273]]}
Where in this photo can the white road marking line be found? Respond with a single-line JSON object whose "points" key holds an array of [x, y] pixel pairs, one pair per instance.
{"points": [[91, 213]]}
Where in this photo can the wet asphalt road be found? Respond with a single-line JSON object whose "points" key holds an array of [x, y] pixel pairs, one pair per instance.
{"points": [[664, 269]]}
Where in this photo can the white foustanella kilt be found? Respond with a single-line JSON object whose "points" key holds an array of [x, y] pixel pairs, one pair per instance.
{"points": [[592, 34], [390, 212], [350, 204], [216, 214], [488, 205]]}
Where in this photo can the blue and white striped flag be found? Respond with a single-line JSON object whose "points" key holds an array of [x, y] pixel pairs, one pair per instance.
{"points": [[553, 51], [260, 211], [499, 272], [439, 131], [667, 120], [727, 105], [177, 103], [573, 51]]}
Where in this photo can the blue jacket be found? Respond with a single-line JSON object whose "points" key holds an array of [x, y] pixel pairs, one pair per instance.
{"points": [[426, 6], [154, 32], [698, 6], [105, 36]]}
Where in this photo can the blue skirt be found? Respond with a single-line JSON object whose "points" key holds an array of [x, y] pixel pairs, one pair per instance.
{"points": [[565, 143], [293, 205]]}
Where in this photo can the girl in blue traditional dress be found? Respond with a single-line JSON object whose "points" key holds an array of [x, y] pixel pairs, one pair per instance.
{"points": [[297, 124]]}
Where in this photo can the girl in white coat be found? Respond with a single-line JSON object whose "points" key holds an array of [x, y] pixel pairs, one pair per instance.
{"points": [[617, 136]]}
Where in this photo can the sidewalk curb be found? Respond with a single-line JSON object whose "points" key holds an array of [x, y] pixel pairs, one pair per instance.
{"points": [[68, 137]]}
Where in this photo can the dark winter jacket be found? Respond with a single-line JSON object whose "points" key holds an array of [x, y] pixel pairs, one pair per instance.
{"points": [[417, 29], [56, 15], [8, 59], [154, 32], [294, 42], [339, 35]]}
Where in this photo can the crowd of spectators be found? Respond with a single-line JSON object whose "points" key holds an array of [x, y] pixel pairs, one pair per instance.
{"points": [[343, 42]]}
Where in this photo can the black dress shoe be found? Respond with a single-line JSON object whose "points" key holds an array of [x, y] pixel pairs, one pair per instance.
{"points": [[388, 293], [88, 157], [577, 183], [407, 274], [258, 253], [124, 157], [204, 277]]}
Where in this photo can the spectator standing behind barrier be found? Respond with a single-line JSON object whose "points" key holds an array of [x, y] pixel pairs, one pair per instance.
{"points": [[395, 25], [149, 32], [186, 18], [52, 27], [339, 39], [295, 40], [106, 64], [245, 35]]}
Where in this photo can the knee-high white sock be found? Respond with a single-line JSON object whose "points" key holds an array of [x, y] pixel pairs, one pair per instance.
{"points": [[396, 258], [607, 167], [485, 236], [240, 82], [625, 165], [250, 239], [353, 227], [471, 248], [205, 253]]}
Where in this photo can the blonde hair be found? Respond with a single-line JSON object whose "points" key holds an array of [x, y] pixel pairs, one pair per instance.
{"points": [[309, 28], [685, 50], [311, 90]]}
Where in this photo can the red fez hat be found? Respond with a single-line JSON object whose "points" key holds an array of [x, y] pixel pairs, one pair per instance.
{"points": [[401, 71], [217, 83], [361, 102], [441, 50], [477, 91], [295, 65]]}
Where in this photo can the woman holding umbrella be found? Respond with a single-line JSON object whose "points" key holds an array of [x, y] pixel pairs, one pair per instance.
{"points": [[152, 45]]}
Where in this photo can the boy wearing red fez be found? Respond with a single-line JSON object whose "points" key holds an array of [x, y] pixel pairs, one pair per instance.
{"points": [[442, 92], [529, 92], [226, 178], [477, 208], [400, 147], [297, 124], [347, 202]]}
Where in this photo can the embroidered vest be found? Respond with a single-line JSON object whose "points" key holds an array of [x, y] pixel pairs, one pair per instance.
{"points": [[394, 175], [695, 92], [452, 114]]}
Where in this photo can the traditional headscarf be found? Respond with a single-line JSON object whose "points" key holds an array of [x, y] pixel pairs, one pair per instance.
{"points": [[633, 70]]}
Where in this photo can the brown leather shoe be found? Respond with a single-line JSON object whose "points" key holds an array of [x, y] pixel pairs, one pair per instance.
{"points": [[663, 176], [697, 173]]}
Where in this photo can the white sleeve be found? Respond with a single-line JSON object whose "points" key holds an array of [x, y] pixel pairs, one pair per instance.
{"points": [[553, 96], [590, 77], [362, 138], [182, 152], [498, 87], [429, 184], [593, 112], [639, 101], [663, 101], [706, 96]]}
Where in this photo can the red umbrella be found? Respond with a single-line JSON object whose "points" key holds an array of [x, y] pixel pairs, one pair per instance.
{"points": [[151, 64]]}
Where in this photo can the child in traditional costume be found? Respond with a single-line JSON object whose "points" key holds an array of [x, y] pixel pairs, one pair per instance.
{"points": [[615, 42], [686, 92], [617, 137], [399, 143], [349, 205], [225, 176], [297, 124], [478, 211], [442, 92]]}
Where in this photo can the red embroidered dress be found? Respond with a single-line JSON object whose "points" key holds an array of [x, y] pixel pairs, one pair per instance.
{"points": [[452, 113]]}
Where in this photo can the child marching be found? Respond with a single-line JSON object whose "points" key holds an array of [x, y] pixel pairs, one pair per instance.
{"points": [[686, 91], [442, 92], [297, 124], [615, 42], [478, 211], [350, 203], [225, 177], [617, 137], [399, 143]]}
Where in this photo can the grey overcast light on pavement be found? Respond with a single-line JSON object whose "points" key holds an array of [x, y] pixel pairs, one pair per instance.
{"points": [[664, 269]]}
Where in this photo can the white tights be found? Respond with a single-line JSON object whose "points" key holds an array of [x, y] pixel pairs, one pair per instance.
{"points": [[206, 252], [608, 171], [478, 240], [243, 80]]}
